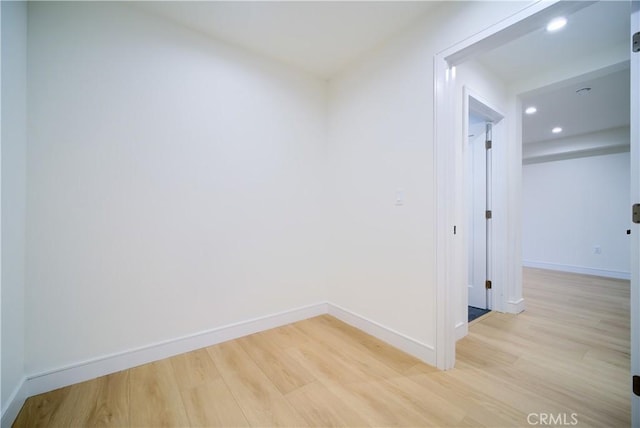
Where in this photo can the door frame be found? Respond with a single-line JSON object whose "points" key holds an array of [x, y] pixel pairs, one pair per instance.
{"points": [[634, 133], [495, 116], [448, 170]]}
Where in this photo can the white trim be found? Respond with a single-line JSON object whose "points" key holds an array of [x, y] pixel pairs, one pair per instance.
{"points": [[462, 329], [405, 343], [444, 165], [514, 306], [15, 402], [445, 220], [91, 369], [486, 108], [101, 366], [531, 18], [498, 224], [635, 198], [607, 273]]}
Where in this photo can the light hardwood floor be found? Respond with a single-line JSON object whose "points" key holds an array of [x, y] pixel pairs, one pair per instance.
{"points": [[566, 356]]}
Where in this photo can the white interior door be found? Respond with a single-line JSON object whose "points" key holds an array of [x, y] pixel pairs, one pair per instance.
{"points": [[635, 198], [481, 121], [477, 222]]}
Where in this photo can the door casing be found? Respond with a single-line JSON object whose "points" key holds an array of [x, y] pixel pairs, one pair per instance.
{"points": [[474, 102], [449, 167]]}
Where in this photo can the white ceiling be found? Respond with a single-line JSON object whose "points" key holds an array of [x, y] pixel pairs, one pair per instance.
{"points": [[605, 106], [325, 37], [602, 27], [597, 28], [320, 37]]}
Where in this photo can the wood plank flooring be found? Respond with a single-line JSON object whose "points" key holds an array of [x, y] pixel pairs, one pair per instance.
{"points": [[565, 359]]}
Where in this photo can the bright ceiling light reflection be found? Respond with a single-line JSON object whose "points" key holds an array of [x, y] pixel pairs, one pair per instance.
{"points": [[556, 24], [531, 110], [556, 130]]}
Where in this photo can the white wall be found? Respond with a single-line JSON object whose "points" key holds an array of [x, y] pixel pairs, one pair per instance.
{"points": [[14, 140], [175, 184], [571, 206], [381, 140]]}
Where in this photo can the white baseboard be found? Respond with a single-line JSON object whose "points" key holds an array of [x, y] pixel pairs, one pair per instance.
{"points": [[82, 371], [515, 306], [578, 269], [422, 351], [462, 329], [91, 369], [15, 402]]}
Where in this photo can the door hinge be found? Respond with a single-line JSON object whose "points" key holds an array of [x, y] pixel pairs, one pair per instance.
{"points": [[487, 144], [636, 385], [487, 284], [636, 42], [488, 214], [635, 216]]}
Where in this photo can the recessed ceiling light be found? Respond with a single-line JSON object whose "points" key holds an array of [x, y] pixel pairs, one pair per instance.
{"points": [[531, 110], [556, 24], [556, 130], [583, 91]]}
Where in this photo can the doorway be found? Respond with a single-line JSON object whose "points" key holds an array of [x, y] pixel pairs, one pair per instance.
{"points": [[507, 231], [451, 161], [481, 122]]}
